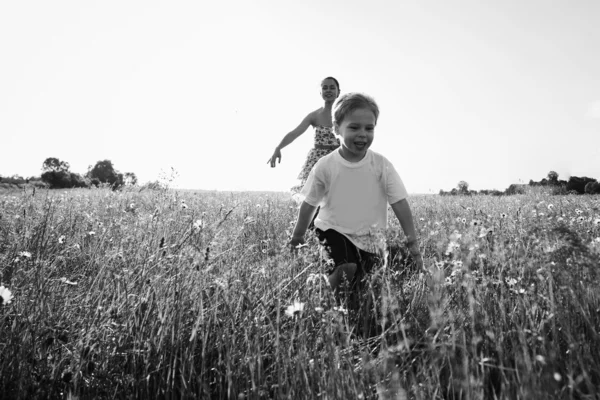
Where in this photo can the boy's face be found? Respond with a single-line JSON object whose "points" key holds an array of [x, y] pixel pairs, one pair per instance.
{"points": [[329, 90], [357, 130]]}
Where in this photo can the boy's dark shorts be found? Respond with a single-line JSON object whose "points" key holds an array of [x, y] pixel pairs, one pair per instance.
{"points": [[342, 251]]}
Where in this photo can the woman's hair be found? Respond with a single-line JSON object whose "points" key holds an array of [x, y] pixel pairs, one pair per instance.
{"points": [[350, 102], [333, 79]]}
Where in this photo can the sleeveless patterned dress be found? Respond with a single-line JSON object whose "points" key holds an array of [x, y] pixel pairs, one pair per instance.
{"points": [[325, 143]]}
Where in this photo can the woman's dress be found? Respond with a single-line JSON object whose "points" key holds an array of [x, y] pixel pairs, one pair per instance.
{"points": [[325, 143]]}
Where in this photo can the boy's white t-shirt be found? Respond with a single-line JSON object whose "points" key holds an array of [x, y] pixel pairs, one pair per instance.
{"points": [[354, 197]]}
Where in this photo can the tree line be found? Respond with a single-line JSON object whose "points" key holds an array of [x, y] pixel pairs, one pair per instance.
{"points": [[575, 185], [57, 174]]}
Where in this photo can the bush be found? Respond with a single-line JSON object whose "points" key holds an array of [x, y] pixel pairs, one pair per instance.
{"points": [[592, 188]]}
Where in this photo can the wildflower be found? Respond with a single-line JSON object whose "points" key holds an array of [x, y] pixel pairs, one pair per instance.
{"points": [[458, 219], [468, 208], [198, 225], [557, 377], [550, 207], [91, 233], [220, 282], [421, 219], [294, 308], [597, 222], [451, 247], [476, 222], [455, 236], [578, 211], [5, 295], [439, 264], [464, 220], [61, 239], [25, 254], [341, 310], [580, 219], [319, 309], [540, 359], [184, 206], [457, 263], [503, 215], [511, 281]]}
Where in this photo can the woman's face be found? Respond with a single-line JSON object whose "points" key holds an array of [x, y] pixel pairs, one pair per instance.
{"points": [[329, 90]]}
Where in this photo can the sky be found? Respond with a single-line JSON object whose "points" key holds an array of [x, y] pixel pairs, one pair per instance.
{"points": [[488, 92]]}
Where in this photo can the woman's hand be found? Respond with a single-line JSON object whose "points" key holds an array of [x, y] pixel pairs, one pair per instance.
{"points": [[276, 155]]}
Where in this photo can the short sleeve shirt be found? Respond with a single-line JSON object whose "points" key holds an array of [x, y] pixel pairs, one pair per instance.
{"points": [[354, 197]]}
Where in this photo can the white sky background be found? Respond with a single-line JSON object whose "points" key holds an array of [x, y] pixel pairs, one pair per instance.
{"points": [[484, 91]]}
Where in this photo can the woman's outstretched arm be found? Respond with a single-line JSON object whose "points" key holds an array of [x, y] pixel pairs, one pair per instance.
{"points": [[290, 137]]}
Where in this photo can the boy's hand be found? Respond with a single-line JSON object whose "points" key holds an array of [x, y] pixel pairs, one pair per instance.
{"points": [[415, 252], [296, 242]]}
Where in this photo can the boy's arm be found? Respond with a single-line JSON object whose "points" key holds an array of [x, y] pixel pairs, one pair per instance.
{"points": [[404, 215], [305, 215]]}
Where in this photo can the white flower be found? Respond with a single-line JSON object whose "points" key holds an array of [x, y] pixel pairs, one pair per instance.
{"points": [[557, 377], [550, 206], [319, 309], [61, 239], [578, 211], [294, 308], [341, 310], [25, 254], [511, 281], [91, 233], [5, 295], [540, 359], [597, 221], [503, 215], [475, 222], [455, 236], [184, 206], [198, 225]]}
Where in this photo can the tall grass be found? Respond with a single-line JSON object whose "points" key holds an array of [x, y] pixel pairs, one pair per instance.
{"points": [[166, 294]]}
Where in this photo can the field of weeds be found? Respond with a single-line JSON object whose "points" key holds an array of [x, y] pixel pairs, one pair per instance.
{"points": [[166, 294]]}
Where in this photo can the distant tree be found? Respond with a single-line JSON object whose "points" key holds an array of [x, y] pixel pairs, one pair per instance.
{"points": [[463, 187], [454, 192], [592, 188], [515, 188], [54, 164], [104, 172], [129, 178], [553, 177], [577, 184], [57, 179]]}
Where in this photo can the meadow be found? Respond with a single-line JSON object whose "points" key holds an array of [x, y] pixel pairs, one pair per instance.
{"points": [[170, 294]]}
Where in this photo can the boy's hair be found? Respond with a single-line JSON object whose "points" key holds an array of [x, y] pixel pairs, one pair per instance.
{"points": [[350, 102], [333, 79]]}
